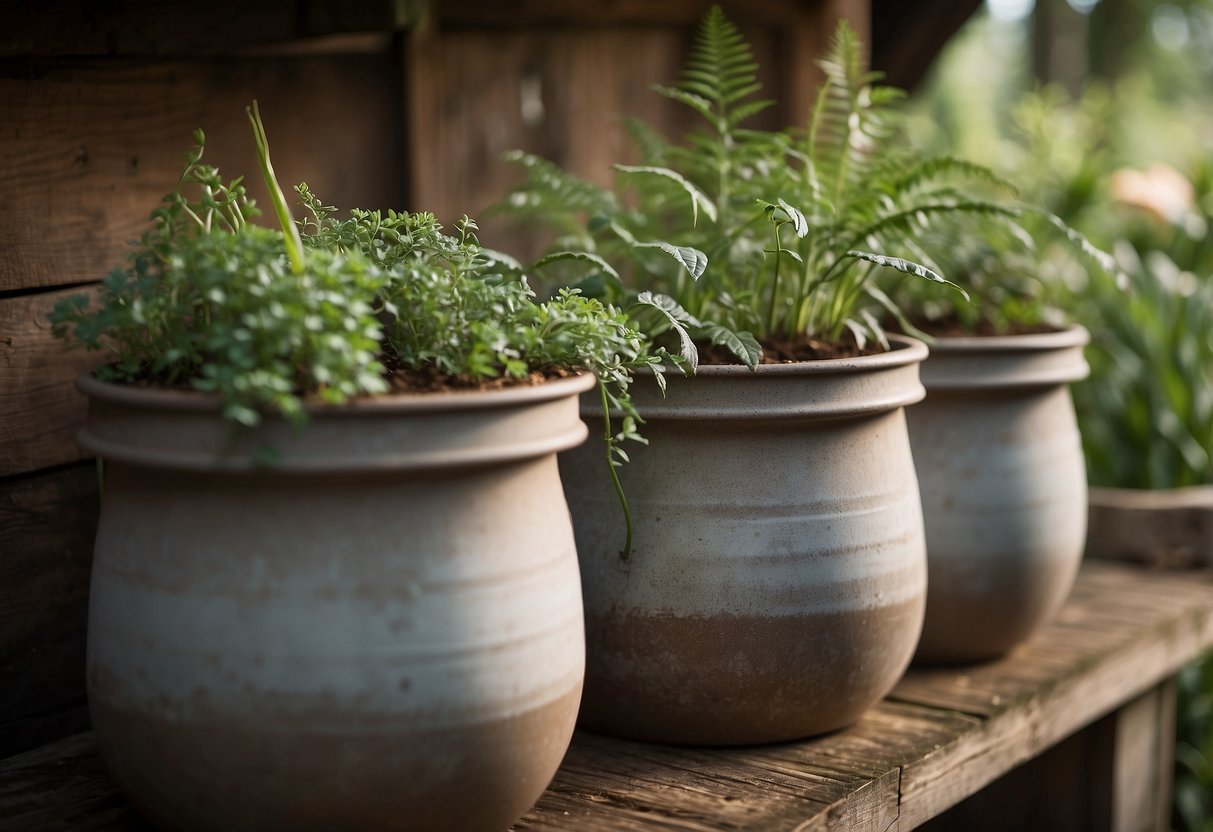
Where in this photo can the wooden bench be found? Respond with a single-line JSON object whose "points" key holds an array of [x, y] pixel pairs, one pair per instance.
{"points": [[1073, 731]]}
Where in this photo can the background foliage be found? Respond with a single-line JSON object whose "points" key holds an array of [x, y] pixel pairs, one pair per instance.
{"points": [[1102, 111]]}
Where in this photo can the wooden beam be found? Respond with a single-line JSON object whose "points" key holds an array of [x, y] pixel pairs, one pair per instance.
{"points": [[88, 148], [47, 524], [175, 28], [42, 410]]}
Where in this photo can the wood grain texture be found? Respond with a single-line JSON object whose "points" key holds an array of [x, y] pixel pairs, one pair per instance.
{"points": [[41, 409], [686, 13], [63, 788], [47, 524], [563, 94], [176, 28], [1112, 642], [1123, 632], [88, 148]]}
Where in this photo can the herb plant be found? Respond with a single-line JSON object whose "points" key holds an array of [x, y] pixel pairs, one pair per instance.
{"points": [[769, 236], [209, 302], [329, 310]]}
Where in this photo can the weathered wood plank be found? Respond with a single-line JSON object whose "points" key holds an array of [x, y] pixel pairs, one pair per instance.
{"points": [[87, 148], [47, 524], [1143, 758], [1153, 627], [1064, 789], [904, 762], [475, 94], [41, 409], [148, 27], [64, 788], [545, 13]]}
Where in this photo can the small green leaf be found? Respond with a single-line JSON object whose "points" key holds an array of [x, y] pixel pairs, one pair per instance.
{"points": [[586, 256], [698, 198], [742, 344], [672, 309], [906, 267], [691, 259], [677, 317], [799, 224], [500, 258]]}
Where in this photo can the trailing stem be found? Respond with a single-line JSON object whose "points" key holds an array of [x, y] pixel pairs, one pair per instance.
{"points": [[609, 439]]}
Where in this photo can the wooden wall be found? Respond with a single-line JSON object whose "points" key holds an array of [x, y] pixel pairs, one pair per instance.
{"points": [[377, 104], [97, 107]]}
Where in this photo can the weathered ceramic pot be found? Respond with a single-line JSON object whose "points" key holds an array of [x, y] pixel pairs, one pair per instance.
{"points": [[1169, 528], [1004, 488], [382, 630], [776, 584]]}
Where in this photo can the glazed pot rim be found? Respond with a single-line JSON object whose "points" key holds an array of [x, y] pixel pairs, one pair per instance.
{"points": [[1074, 335], [905, 350], [174, 399]]}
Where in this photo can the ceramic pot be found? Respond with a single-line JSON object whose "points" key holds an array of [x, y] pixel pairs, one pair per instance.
{"points": [[1004, 489], [776, 584], [380, 629], [1168, 528]]}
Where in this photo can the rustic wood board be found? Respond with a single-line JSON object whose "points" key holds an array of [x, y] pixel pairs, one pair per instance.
{"points": [[88, 148], [153, 27], [47, 523], [476, 93], [64, 788], [42, 410], [904, 762]]}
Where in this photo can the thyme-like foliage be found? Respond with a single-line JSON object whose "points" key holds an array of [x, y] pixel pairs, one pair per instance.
{"points": [[327, 309]]}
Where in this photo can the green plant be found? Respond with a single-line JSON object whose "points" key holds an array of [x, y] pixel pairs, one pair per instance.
{"points": [[210, 302], [466, 313], [1017, 264], [771, 233], [1146, 413], [330, 309]]}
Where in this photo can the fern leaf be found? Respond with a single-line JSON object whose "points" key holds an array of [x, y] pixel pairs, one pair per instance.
{"points": [[651, 144], [585, 256], [698, 198], [906, 267], [679, 320]]}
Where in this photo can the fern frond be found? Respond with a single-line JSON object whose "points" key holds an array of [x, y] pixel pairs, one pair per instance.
{"points": [[555, 195], [651, 144], [923, 171], [847, 123]]}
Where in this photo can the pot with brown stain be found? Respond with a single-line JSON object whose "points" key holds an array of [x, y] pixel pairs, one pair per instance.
{"points": [[381, 630], [776, 584], [1004, 489]]}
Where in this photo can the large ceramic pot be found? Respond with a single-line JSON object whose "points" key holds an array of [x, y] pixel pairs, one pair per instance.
{"points": [[1004, 488], [776, 584], [373, 623]]}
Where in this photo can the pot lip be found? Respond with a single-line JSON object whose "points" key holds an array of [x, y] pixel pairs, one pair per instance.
{"points": [[171, 399], [905, 350], [1074, 335]]}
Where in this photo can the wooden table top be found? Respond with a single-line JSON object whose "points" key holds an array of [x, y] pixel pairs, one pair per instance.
{"points": [[941, 736]]}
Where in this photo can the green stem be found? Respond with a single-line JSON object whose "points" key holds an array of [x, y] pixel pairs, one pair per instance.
{"points": [[294, 244], [610, 444], [775, 281]]}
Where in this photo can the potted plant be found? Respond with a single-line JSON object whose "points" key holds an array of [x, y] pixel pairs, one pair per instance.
{"points": [[996, 444], [1151, 357], [775, 582], [325, 596]]}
